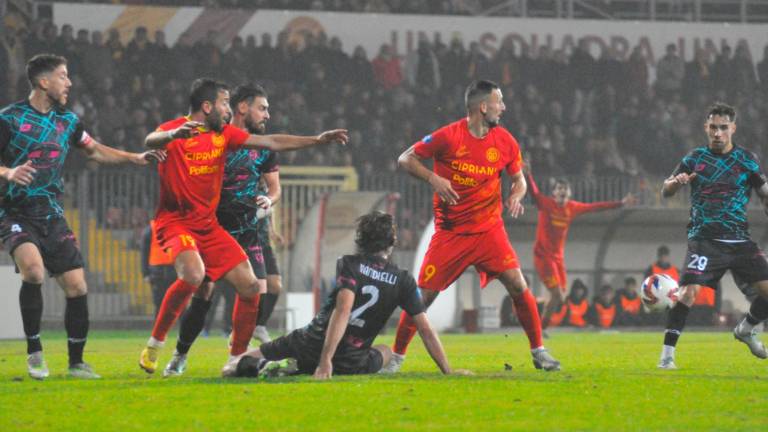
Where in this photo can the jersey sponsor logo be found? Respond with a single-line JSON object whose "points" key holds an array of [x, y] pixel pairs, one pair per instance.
{"points": [[462, 151], [427, 139], [204, 156], [381, 276], [45, 155], [492, 154], [60, 127], [464, 181], [203, 170], [16, 228], [25, 127], [191, 142], [218, 140], [471, 168]]}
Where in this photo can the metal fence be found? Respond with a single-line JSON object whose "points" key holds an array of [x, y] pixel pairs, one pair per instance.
{"points": [[108, 209]]}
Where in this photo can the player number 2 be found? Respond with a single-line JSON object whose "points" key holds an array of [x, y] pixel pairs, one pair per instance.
{"points": [[374, 293], [698, 262]]}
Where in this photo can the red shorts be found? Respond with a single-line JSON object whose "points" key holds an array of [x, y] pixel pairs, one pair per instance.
{"points": [[449, 254], [551, 270], [219, 251]]}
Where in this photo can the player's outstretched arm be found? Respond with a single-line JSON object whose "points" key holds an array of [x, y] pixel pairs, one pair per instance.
{"points": [[336, 328], [411, 163], [293, 142], [516, 194], [432, 342], [159, 139], [108, 155], [675, 182]]}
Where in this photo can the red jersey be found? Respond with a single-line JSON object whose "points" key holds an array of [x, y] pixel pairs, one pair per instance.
{"points": [[474, 166], [191, 176], [555, 219]]}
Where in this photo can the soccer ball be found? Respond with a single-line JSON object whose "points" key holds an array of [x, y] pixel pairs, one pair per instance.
{"points": [[658, 292]]}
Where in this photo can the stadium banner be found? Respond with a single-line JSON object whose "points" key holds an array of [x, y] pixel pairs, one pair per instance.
{"points": [[403, 31]]}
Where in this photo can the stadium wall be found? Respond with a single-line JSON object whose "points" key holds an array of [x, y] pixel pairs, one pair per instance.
{"points": [[403, 31]]}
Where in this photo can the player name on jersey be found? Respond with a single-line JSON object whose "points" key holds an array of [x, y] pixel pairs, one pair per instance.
{"points": [[380, 276]]}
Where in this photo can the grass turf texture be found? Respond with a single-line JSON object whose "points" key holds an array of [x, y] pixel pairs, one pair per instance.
{"points": [[608, 382]]}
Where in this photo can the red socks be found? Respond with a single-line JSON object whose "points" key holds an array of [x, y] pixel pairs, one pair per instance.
{"points": [[528, 315], [406, 329], [243, 322], [174, 302]]}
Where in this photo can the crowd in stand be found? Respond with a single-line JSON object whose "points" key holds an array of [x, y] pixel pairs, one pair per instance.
{"points": [[433, 7], [573, 114]]}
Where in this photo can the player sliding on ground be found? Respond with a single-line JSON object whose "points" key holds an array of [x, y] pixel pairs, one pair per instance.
{"points": [[469, 158], [35, 137], [190, 189], [555, 216], [338, 340], [722, 177]]}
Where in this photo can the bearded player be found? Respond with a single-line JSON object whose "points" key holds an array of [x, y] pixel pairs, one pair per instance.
{"points": [[469, 157], [241, 212], [555, 216], [190, 190]]}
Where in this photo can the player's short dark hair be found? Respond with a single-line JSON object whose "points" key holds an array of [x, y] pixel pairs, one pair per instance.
{"points": [[42, 64], [562, 181], [630, 281], [205, 90], [477, 91], [247, 93], [375, 232], [723, 110], [662, 251]]}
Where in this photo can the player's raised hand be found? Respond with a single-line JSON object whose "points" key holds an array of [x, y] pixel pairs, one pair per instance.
{"points": [[22, 174], [514, 207], [340, 136], [629, 200], [323, 371], [684, 178], [156, 156], [187, 130], [443, 189]]}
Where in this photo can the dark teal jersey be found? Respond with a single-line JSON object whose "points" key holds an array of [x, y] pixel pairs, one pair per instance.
{"points": [[45, 139], [720, 192]]}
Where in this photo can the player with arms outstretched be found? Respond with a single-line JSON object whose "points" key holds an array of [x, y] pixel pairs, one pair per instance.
{"points": [[190, 190], [339, 339], [241, 210], [469, 157], [556, 213], [35, 138], [722, 177]]}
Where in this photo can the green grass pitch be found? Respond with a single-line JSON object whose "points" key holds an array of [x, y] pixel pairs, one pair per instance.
{"points": [[608, 382]]}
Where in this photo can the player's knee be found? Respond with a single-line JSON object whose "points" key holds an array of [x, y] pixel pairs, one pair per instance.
{"points": [[193, 276], [251, 289], [274, 286], [76, 288], [688, 295], [32, 273]]}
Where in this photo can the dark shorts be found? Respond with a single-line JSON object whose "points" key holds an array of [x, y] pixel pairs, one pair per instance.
{"points": [[293, 345], [248, 238], [270, 260], [54, 239], [707, 260]]}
